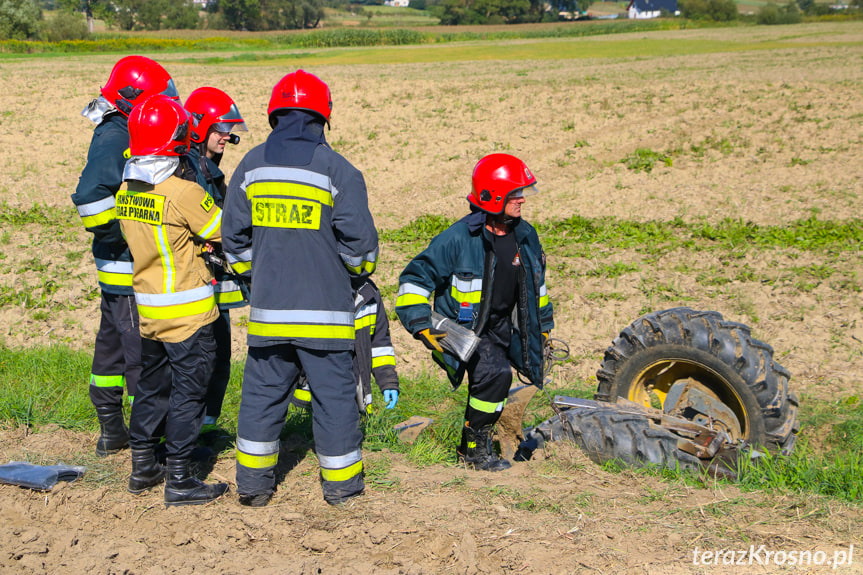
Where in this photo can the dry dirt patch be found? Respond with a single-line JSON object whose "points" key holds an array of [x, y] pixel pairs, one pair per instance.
{"points": [[558, 513]]}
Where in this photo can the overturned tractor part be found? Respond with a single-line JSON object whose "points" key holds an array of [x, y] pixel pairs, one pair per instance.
{"points": [[680, 389], [637, 437], [697, 366]]}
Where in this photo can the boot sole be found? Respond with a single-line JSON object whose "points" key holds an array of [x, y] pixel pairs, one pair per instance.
{"points": [[472, 466], [201, 502], [148, 487], [142, 490], [343, 500], [107, 452], [194, 501]]}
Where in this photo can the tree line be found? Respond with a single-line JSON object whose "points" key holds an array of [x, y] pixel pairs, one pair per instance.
{"points": [[73, 19]]}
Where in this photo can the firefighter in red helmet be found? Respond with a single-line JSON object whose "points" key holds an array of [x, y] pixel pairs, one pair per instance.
{"points": [[214, 121], [164, 218], [297, 222], [117, 351], [486, 272]]}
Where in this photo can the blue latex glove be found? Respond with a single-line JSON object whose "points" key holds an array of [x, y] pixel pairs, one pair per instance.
{"points": [[391, 396]]}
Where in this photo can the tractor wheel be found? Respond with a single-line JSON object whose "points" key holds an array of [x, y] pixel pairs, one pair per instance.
{"points": [[666, 354], [608, 434]]}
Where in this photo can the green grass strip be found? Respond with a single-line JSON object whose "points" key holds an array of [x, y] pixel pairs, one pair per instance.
{"points": [[41, 386], [836, 476], [809, 234]]}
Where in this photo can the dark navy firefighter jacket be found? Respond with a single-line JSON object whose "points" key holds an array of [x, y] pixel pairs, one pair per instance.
{"points": [[458, 267], [297, 222], [94, 199]]}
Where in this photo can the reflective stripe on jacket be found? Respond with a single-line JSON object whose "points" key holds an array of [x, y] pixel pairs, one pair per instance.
{"points": [[94, 200], [173, 285], [454, 268]]}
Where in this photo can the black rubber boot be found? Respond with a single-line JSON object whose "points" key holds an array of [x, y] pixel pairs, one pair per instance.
{"points": [[146, 472], [478, 452], [183, 488], [259, 500], [115, 434]]}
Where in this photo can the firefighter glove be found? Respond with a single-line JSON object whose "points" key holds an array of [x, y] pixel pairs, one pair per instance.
{"points": [[391, 396], [431, 338]]}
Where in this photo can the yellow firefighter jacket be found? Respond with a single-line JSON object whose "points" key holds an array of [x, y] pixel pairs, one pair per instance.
{"points": [[173, 285]]}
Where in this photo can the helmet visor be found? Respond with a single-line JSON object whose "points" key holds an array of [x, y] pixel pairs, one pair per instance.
{"points": [[228, 127], [171, 90], [230, 121], [524, 192], [232, 115]]}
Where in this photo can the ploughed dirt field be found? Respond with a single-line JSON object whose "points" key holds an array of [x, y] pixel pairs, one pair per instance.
{"points": [[767, 130]]}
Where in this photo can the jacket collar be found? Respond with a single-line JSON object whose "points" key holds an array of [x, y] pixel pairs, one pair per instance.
{"points": [[476, 223], [150, 169], [97, 110], [294, 139], [213, 171]]}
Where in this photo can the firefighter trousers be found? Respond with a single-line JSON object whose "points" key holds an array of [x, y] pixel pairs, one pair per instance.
{"points": [[117, 352], [171, 391], [489, 379], [268, 383], [221, 367]]}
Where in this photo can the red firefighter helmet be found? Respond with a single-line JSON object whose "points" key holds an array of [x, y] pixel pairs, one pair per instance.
{"points": [[301, 91], [134, 79], [211, 107], [159, 127], [496, 178]]}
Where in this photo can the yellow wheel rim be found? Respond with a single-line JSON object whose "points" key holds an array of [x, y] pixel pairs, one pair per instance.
{"points": [[651, 386]]}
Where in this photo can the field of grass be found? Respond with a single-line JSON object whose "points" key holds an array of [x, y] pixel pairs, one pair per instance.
{"points": [[715, 168]]}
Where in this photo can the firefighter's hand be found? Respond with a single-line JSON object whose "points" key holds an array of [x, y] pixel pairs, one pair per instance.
{"points": [[431, 338], [546, 339], [391, 396]]}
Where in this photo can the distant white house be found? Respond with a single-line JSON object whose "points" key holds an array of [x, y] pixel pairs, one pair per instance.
{"points": [[652, 8], [397, 3]]}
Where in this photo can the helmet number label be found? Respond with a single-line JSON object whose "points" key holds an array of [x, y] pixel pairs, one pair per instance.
{"points": [[141, 207], [286, 213]]}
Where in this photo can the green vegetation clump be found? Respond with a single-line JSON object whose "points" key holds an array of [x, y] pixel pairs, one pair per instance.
{"points": [[774, 14], [43, 386], [714, 10], [343, 37], [64, 26], [19, 19], [643, 160], [834, 468]]}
